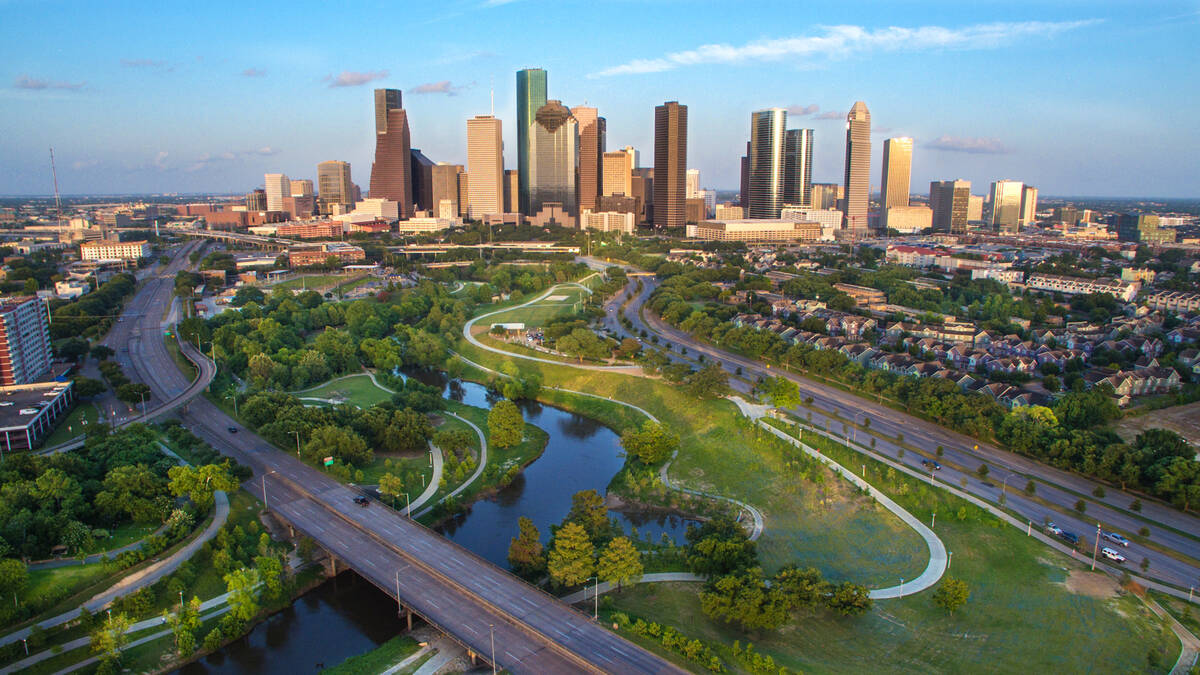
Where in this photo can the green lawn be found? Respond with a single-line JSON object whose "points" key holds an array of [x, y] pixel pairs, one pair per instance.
{"points": [[72, 425], [541, 313], [46, 583], [123, 536], [377, 660], [314, 282], [358, 390]]}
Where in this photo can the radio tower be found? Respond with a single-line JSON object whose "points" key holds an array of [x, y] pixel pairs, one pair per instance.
{"points": [[57, 199]]}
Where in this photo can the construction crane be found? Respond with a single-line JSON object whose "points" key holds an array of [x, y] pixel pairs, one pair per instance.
{"points": [[57, 199]]}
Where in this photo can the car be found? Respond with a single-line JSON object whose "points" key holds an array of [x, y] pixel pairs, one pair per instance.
{"points": [[1116, 538], [233, 430], [362, 501], [931, 465], [1112, 554], [1069, 537], [1054, 529]]}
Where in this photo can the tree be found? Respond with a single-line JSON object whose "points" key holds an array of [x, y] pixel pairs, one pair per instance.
{"points": [[850, 599], [72, 348], [782, 392], [133, 491], [242, 585], [111, 638], [506, 425], [392, 486], [270, 571], [719, 547], [199, 483], [183, 625], [802, 588], [14, 577], [86, 387], [588, 510], [983, 471], [526, 555], [340, 443], [133, 392], [102, 352], [951, 594], [572, 558], [409, 431], [746, 600], [651, 444], [620, 563], [711, 381]]}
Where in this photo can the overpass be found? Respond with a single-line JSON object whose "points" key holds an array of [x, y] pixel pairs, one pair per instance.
{"points": [[468, 598], [237, 238]]}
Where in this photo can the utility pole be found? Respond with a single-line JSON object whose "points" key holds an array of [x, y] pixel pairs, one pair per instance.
{"points": [[1096, 547], [492, 635]]}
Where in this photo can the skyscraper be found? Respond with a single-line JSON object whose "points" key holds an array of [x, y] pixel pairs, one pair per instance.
{"points": [[511, 189], [385, 100], [25, 352], [618, 168], [1006, 205], [334, 185], [553, 158], [897, 171], [391, 173], [278, 186], [445, 184], [693, 184], [301, 188], [670, 164], [858, 168], [485, 162], [950, 202], [797, 167], [1029, 196], [422, 180], [531, 96], [767, 133], [591, 148], [744, 189]]}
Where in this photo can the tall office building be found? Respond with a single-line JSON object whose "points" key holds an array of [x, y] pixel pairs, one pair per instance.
{"points": [[975, 209], [1029, 196], [1006, 205], [391, 173], [25, 353], [643, 193], [422, 180], [511, 189], [256, 200], [897, 172], [278, 186], [670, 164], [858, 168], [531, 96], [827, 196], [693, 184], [334, 185], [591, 149], [744, 189], [445, 184], [553, 159], [950, 202], [385, 100], [797, 167], [767, 132], [301, 188], [485, 162], [618, 173]]}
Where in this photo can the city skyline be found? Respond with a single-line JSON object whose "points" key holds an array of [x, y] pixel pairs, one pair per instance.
{"points": [[277, 102]]}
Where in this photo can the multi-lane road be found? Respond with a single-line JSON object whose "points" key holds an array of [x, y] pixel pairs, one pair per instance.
{"points": [[1175, 534], [478, 604]]}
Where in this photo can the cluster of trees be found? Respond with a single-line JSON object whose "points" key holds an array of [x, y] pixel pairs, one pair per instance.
{"points": [[126, 390], [91, 315], [26, 274], [674, 641]]}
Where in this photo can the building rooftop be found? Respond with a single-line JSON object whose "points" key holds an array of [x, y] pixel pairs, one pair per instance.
{"points": [[21, 403]]}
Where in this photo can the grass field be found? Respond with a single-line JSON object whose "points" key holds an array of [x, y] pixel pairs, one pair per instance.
{"points": [[377, 660], [562, 302], [314, 282], [72, 425], [358, 390]]}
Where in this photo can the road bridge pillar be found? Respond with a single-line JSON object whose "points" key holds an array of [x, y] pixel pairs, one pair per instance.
{"points": [[472, 655]]}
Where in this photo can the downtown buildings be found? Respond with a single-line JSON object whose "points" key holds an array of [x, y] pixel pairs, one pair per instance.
{"points": [[485, 164], [857, 177], [391, 172], [670, 164]]}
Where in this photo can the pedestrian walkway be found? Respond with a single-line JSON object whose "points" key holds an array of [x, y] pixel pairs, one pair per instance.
{"points": [[657, 577]]}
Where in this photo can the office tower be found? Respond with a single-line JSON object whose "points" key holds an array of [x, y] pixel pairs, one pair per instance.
{"points": [[643, 192], [277, 187], [1005, 201], [553, 158], [975, 209], [1144, 228], [591, 148], [301, 188], [767, 132], [897, 171], [511, 189], [949, 200], [617, 173], [827, 196], [744, 190], [256, 200], [531, 96], [1028, 206], [334, 184], [445, 183], [1068, 215], [858, 167], [385, 100], [422, 180], [464, 193], [693, 183], [670, 164], [797, 167], [391, 172], [25, 353], [485, 162]]}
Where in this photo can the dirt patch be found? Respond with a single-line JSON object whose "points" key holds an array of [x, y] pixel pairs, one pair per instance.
{"points": [[1091, 584], [1182, 419]]}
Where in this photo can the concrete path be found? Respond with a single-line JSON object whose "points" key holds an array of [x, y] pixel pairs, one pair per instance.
{"points": [[447, 652], [138, 580], [1189, 645], [483, 458], [605, 587]]}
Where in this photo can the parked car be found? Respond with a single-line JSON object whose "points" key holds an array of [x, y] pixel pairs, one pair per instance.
{"points": [[931, 465], [232, 430], [1116, 538], [1054, 529], [1069, 537], [1112, 554]]}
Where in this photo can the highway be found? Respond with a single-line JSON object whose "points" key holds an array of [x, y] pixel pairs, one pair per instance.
{"points": [[460, 593], [1009, 472]]}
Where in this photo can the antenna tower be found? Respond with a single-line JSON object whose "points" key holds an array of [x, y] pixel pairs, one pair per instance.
{"points": [[57, 199]]}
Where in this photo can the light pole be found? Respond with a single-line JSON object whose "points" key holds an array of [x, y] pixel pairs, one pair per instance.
{"points": [[933, 520], [595, 596], [950, 559], [399, 607], [234, 398], [492, 636], [1096, 547], [266, 506], [143, 395], [297, 435], [1004, 485], [902, 588], [407, 506]]}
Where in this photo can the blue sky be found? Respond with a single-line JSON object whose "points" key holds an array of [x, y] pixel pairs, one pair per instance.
{"points": [[1077, 98]]}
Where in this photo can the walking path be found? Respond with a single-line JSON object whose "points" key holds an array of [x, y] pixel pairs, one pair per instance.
{"points": [[605, 587], [56, 563]]}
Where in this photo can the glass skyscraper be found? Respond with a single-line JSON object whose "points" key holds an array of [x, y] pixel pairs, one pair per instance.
{"points": [[531, 96], [767, 130], [797, 167]]}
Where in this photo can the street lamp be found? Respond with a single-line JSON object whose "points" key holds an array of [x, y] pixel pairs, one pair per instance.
{"points": [[234, 399], [143, 395], [266, 506], [492, 636], [1096, 547], [407, 506], [595, 597], [297, 435]]}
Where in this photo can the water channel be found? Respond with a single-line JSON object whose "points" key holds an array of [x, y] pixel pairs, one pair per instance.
{"points": [[347, 615]]}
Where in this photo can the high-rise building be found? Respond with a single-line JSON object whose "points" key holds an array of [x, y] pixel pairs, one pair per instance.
{"points": [[949, 201], [975, 209], [485, 162], [445, 184], [767, 132], [827, 196], [797, 167], [897, 171], [617, 173], [1005, 199], [25, 353], [256, 200], [422, 180], [554, 158], [858, 168], [334, 184], [693, 183], [1028, 206], [511, 189], [531, 96], [670, 164], [643, 193], [744, 190], [278, 186], [385, 100], [1143, 227], [301, 188], [391, 173], [591, 148]]}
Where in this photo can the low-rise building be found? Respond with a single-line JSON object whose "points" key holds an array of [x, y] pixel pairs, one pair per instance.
{"points": [[606, 221], [1174, 301], [344, 253], [765, 230], [1054, 283], [316, 230], [28, 411], [864, 296], [424, 224], [109, 249]]}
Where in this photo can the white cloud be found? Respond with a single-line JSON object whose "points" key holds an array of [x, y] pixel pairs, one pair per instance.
{"points": [[831, 115], [349, 78], [27, 82], [254, 72], [443, 87], [973, 146], [841, 41], [802, 110]]}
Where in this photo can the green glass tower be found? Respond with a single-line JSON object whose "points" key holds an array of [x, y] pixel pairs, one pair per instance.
{"points": [[531, 96]]}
